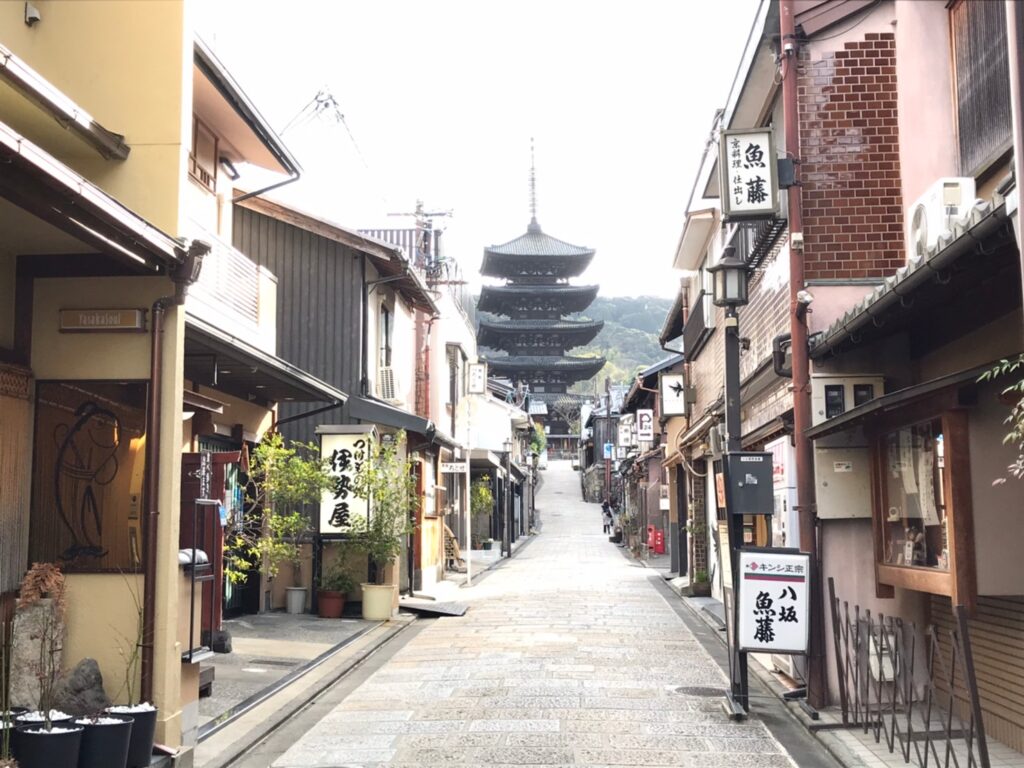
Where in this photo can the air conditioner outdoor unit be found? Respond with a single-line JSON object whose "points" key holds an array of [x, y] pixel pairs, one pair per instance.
{"points": [[933, 215], [387, 384]]}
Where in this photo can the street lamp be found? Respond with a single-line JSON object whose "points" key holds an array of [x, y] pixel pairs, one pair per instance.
{"points": [[729, 277]]}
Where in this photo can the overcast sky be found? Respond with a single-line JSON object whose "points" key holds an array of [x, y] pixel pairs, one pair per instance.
{"points": [[440, 100]]}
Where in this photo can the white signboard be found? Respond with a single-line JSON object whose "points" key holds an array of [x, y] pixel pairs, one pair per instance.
{"points": [[453, 467], [625, 434], [749, 180], [645, 425], [346, 452], [673, 394], [477, 379], [774, 601]]}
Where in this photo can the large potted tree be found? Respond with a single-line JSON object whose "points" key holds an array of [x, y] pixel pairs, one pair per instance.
{"points": [[481, 506], [283, 479], [385, 480]]}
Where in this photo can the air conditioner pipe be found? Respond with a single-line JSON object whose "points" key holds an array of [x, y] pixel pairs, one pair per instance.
{"points": [[779, 345]]}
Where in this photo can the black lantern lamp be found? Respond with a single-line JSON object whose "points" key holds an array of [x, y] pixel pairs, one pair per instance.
{"points": [[729, 276]]}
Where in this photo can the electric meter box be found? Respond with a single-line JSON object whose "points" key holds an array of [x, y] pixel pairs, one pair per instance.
{"points": [[748, 480], [833, 395]]}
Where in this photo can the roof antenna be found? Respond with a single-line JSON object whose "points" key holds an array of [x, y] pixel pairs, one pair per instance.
{"points": [[534, 226]]}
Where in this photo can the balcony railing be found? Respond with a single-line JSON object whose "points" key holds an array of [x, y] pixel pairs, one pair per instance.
{"points": [[697, 330], [235, 294]]}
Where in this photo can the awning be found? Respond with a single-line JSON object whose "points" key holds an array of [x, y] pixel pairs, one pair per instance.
{"points": [[694, 241], [193, 401], [387, 415], [481, 458], [216, 359], [887, 403]]}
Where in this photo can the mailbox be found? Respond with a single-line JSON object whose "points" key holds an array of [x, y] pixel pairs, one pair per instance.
{"points": [[748, 482]]}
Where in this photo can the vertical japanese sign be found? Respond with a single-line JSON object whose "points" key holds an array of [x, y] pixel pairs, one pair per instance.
{"points": [[749, 175], [346, 453], [645, 425], [673, 394], [477, 384], [774, 601]]}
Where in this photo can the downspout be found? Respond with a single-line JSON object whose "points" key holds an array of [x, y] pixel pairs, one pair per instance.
{"points": [[183, 277], [364, 357], [807, 509]]}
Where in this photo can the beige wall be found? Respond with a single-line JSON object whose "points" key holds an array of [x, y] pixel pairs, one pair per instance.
{"points": [[130, 67]]}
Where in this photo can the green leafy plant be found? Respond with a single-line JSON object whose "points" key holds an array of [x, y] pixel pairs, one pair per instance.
{"points": [[700, 577], [538, 440], [337, 579], [283, 478], [1015, 419], [481, 498], [386, 481]]}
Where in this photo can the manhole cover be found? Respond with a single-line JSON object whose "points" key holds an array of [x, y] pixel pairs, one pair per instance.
{"points": [[698, 690]]}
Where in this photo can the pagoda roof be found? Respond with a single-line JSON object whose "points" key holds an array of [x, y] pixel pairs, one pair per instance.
{"points": [[571, 298], [585, 367], [573, 333], [535, 253]]}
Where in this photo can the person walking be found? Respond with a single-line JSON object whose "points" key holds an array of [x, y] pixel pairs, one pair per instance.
{"points": [[607, 521]]}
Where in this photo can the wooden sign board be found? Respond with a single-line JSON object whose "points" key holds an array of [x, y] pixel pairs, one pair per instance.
{"points": [[102, 320]]}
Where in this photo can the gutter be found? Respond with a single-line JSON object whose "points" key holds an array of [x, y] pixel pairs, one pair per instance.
{"points": [[183, 277]]}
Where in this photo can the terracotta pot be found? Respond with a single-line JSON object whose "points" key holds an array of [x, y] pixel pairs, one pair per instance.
{"points": [[330, 604]]}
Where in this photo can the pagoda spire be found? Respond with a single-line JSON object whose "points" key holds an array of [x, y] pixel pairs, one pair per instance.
{"points": [[534, 226]]}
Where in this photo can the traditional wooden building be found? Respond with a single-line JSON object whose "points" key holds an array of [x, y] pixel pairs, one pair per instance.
{"points": [[533, 336]]}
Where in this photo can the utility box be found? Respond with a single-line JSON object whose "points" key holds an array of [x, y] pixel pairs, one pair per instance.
{"points": [[748, 483], [843, 482], [833, 395]]}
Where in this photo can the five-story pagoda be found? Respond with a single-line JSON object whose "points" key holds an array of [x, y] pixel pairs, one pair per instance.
{"points": [[535, 298]]}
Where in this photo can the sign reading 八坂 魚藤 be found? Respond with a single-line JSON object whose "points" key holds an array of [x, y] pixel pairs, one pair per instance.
{"points": [[774, 601], [748, 174], [346, 453]]}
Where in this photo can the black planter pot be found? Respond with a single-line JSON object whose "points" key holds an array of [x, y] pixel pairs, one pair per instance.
{"points": [[35, 747], [140, 748], [105, 745]]}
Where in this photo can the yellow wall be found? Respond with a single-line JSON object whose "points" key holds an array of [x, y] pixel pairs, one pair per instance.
{"points": [[129, 65], [103, 624]]}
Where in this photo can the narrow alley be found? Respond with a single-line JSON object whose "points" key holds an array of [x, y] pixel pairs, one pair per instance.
{"points": [[568, 655]]}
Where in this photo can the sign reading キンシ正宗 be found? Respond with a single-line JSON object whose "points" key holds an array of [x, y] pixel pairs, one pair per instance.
{"points": [[774, 601], [346, 452], [102, 320], [748, 174]]}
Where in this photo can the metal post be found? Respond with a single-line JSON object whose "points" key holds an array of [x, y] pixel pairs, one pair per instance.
{"points": [[739, 689], [506, 520]]}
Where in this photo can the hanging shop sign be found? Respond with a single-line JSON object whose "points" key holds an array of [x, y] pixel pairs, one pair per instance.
{"points": [[453, 467], [774, 600], [102, 320], [748, 174], [625, 434], [673, 394], [609, 449], [346, 452], [477, 384], [645, 425]]}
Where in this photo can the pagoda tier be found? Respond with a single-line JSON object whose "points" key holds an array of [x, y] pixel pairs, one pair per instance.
{"points": [[545, 369], [528, 302], [537, 336], [534, 256]]}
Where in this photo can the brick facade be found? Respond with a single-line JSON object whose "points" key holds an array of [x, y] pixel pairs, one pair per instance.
{"points": [[849, 146], [698, 538]]}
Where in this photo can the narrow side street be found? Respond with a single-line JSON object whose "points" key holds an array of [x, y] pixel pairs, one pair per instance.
{"points": [[569, 655]]}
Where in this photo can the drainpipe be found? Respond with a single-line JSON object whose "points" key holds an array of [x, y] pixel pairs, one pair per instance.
{"points": [[183, 277], [364, 358], [816, 691]]}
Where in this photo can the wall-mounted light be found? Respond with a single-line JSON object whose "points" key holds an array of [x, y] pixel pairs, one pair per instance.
{"points": [[229, 168], [32, 15]]}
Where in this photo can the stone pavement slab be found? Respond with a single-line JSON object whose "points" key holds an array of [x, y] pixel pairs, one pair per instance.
{"points": [[568, 655]]}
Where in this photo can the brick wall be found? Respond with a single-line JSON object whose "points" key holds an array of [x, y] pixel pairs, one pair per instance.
{"points": [[849, 146], [698, 538]]}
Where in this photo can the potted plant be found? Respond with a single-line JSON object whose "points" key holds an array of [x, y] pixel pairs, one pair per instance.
{"points": [[106, 740], [481, 505], [45, 738], [385, 480], [282, 480], [700, 587], [335, 584]]}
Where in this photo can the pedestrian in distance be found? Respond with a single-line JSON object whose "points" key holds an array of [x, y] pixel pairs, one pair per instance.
{"points": [[607, 521]]}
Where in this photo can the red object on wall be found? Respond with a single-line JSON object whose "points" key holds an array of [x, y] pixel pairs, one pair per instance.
{"points": [[659, 541]]}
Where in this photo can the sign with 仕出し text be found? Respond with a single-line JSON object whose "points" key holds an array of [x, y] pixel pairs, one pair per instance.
{"points": [[774, 601], [748, 174]]}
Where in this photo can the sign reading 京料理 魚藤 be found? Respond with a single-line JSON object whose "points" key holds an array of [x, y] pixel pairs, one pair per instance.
{"points": [[749, 174], [774, 601]]}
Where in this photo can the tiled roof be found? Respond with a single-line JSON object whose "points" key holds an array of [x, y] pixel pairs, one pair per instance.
{"points": [[536, 243], [545, 363], [541, 325], [980, 221]]}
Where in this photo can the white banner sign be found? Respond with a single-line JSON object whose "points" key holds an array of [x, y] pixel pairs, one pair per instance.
{"points": [[346, 452], [750, 185], [477, 384], [673, 394], [625, 434], [453, 468], [645, 425], [774, 601]]}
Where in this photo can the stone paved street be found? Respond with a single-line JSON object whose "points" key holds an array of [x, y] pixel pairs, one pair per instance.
{"points": [[568, 655]]}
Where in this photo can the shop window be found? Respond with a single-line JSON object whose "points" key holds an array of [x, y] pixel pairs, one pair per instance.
{"points": [[915, 527], [87, 475], [202, 161], [982, 83]]}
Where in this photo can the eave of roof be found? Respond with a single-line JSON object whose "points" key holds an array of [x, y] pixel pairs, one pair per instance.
{"points": [[537, 243]]}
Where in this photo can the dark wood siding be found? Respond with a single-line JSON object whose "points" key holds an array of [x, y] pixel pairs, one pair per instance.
{"points": [[319, 315]]}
